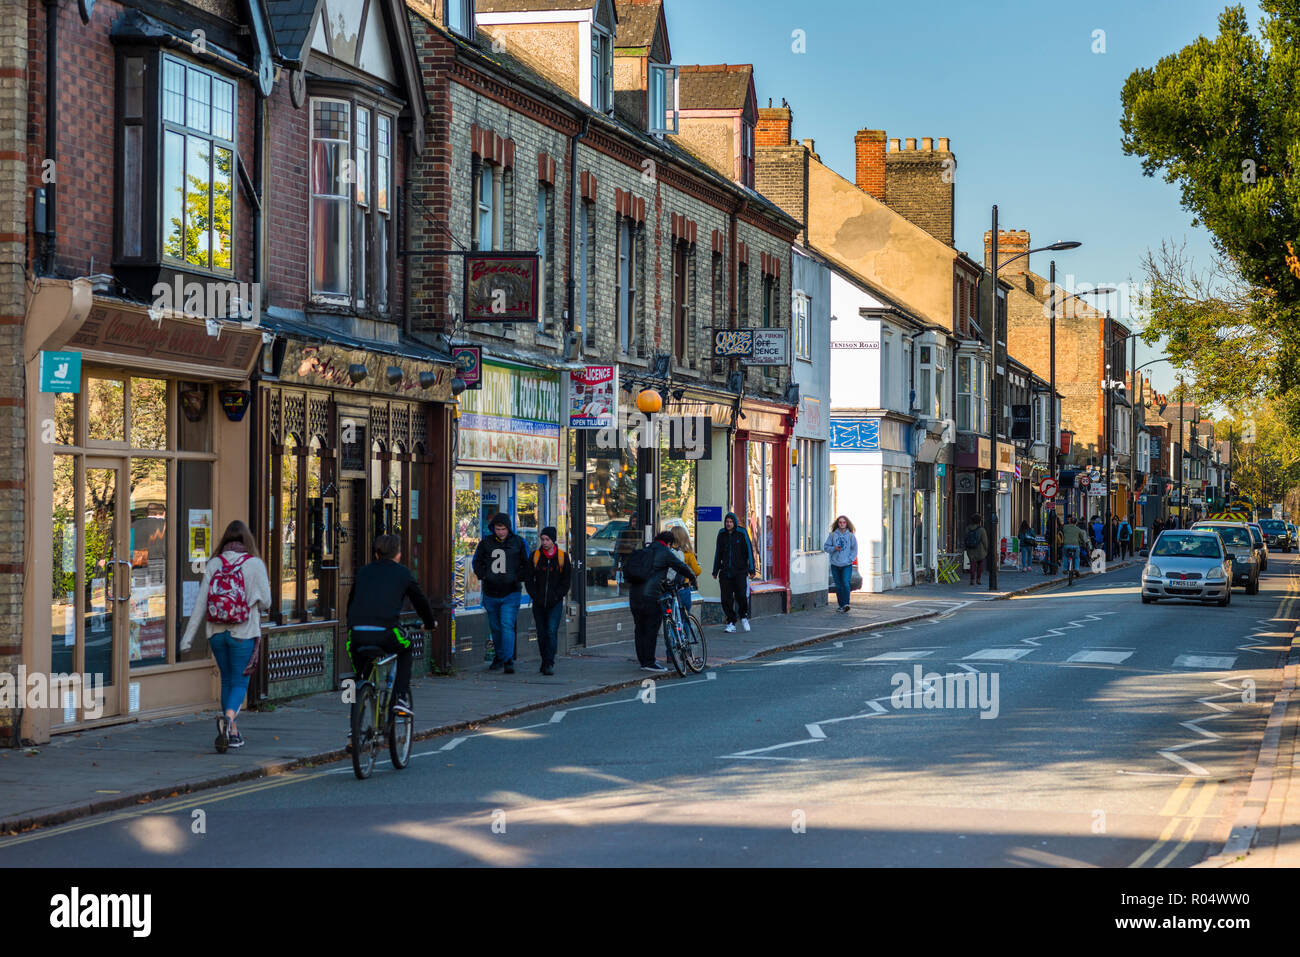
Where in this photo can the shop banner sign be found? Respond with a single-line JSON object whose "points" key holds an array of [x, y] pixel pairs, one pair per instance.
{"points": [[593, 397], [60, 371], [849, 435], [513, 420], [733, 343], [501, 287], [469, 365], [771, 347]]}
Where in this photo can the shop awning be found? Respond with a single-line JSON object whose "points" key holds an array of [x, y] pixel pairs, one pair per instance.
{"points": [[398, 345]]}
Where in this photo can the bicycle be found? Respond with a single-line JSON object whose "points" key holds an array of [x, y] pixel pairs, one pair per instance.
{"points": [[683, 636], [1071, 562], [373, 718]]}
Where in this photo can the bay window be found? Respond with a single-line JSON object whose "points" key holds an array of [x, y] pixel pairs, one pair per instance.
{"points": [[625, 284], [972, 394], [602, 71]]}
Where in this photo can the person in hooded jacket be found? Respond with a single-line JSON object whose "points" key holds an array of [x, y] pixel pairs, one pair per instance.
{"points": [[644, 597], [548, 583], [501, 564], [733, 563]]}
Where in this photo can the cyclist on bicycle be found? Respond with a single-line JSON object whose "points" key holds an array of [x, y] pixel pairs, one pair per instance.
{"points": [[1074, 539], [645, 595], [375, 607]]}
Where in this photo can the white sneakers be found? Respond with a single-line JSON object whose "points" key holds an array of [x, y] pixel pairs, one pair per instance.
{"points": [[730, 629], [744, 623]]}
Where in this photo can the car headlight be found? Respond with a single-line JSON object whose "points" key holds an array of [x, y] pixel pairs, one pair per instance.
{"points": [[1152, 572], [1215, 575]]}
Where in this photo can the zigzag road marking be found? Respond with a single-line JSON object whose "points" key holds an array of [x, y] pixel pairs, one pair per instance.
{"points": [[1057, 632]]}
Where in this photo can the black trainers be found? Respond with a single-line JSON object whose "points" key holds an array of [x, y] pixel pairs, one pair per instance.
{"points": [[656, 668], [223, 739], [510, 667], [547, 670], [236, 740], [497, 665]]}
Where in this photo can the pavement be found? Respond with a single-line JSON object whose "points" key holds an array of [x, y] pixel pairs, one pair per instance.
{"points": [[81, 774]]}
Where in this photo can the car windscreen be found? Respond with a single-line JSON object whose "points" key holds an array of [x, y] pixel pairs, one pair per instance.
{"points": [[1186, 546], [1232, 536], [1273, 525]]}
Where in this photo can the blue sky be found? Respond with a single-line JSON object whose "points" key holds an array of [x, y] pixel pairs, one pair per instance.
{"points": [[1031, 111]]}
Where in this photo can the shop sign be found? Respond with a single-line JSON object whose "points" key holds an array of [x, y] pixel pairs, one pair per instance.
{"points": [[469, 365], [171, 340], [501, 287], [1006, 457], [965, 484], [593, 397], [60, 371], [733, 343], [708, 513], [849, 435], [771, 347], [513, 420]]}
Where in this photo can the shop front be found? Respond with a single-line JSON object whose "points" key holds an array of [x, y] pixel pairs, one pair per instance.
{"points": [[348, 443], [133, 469], [509, 450], [760, 488]]}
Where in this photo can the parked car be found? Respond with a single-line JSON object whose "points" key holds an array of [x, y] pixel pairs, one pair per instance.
{"points": [[606, 549], [1240, 546], [1290, 527], [1276, 533], [1191, 564], [1260, 544]]}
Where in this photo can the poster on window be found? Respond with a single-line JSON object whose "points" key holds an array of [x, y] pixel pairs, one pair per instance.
{"points": [[501, 287], [593, 397], [200, 534]]}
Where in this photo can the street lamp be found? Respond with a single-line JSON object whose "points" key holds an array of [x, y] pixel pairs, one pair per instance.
{"points": [[1139, 404], [991, 513]]}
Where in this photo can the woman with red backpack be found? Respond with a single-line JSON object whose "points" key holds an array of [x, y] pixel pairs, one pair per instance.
{"points": [[234, 585]]}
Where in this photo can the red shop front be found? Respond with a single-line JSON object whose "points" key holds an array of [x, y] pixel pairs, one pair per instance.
{"points": [[760, 490]]}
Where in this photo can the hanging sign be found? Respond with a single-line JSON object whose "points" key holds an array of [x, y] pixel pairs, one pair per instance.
{"points": [[469, 365], [593, 397], [733, 343], [771, 347], [501, 287]]}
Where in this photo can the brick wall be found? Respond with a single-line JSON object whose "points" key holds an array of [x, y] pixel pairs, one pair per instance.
{"points": [[919, 184], [773, 128], [870, 165], [781, 174]]}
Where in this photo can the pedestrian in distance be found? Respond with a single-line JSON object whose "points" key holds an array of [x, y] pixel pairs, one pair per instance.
{"points": [[1026, 536], [977, 547], [1074, 540], [501, 564], [647, 572], [374, 612], [1124, 538], [234, 594], [1098, 531], [842, 546], [1112, 539], [733, 563], [683, 552], [548, 583]]}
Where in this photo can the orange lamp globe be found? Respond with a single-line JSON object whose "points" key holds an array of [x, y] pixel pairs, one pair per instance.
{"points": [[649, 401]]}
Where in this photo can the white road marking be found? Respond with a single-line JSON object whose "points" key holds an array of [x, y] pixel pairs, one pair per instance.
{"points": [[1101, 657], [793, 661], [1210, 662], [900, 655], [998, 654], [1057, 632], [452, 743], [815, 731]]}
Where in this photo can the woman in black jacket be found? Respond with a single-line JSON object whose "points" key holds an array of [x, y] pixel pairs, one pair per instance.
{"points": [[549, 582]]}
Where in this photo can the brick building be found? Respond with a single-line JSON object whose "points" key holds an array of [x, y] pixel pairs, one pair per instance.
{"points": [[540, 122]]}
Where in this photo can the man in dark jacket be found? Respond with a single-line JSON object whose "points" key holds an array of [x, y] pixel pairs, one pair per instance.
{"points": [[374, 608], [643, 599], [548, 583], [733, 563], [501, 564]]}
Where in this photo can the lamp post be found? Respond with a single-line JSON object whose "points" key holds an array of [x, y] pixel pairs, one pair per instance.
{"points": [[992, 390]]}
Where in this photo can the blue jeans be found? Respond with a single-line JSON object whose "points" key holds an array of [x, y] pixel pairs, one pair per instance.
{"points": [[548, 630], [843, 575], [1026, 557], [502, 614], [684, 599], [1071, 562], [232, 656]]}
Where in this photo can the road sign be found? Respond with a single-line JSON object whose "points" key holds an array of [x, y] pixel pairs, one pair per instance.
{"points": [[1082, 480], [1048, 487]]}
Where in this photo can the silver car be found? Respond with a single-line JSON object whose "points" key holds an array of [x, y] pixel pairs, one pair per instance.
{"points": [[1239, 545], [1191, 564]]}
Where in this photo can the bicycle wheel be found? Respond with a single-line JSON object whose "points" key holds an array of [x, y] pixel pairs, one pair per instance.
{"points": [[673, 643], [365, 731], [401, 730], [694, 652]]}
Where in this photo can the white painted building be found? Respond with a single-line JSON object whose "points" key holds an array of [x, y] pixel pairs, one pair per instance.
{"points": [[810, 366]]}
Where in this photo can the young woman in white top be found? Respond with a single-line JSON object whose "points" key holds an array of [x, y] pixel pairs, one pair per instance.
{"points": [[232, 642]]}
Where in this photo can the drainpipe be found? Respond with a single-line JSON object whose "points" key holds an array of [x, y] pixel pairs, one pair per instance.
{"points": [[911, 550], [733, 317], [579, 503], [574, 199], [51, 129]]}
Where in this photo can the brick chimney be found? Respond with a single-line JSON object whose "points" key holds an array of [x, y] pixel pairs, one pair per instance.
{"points": [[774, 124], [871, 162], [1011, 242], [919, 184]]}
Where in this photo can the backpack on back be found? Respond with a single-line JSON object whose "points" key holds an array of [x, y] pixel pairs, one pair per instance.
{"points": [[639, 566], [973, 537], [227, 594]]}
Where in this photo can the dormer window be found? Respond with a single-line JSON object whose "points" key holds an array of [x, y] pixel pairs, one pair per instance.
{"points": [[459, 17], [602, 70], [664, 102]]}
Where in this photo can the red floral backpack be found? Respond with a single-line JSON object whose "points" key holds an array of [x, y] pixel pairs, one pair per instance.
{"points": [[227, 595]]}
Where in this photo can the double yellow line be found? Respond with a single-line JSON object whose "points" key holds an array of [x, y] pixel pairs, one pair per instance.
{"points": [[164, 807], [1192, 818]]}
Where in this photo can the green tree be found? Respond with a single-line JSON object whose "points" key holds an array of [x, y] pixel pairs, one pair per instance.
{"points": [[1221, 119]]}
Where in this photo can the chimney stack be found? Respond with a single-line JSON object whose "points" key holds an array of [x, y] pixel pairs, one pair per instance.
{"points": [[871, 162], [774, 125], [1011, 242]]}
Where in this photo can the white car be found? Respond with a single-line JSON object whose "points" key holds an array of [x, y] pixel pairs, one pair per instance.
{"points": [[1190, 564]]}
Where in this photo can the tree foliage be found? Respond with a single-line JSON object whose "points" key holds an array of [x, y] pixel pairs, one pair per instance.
{"points": [[1221, 120], [1265, 448]]}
